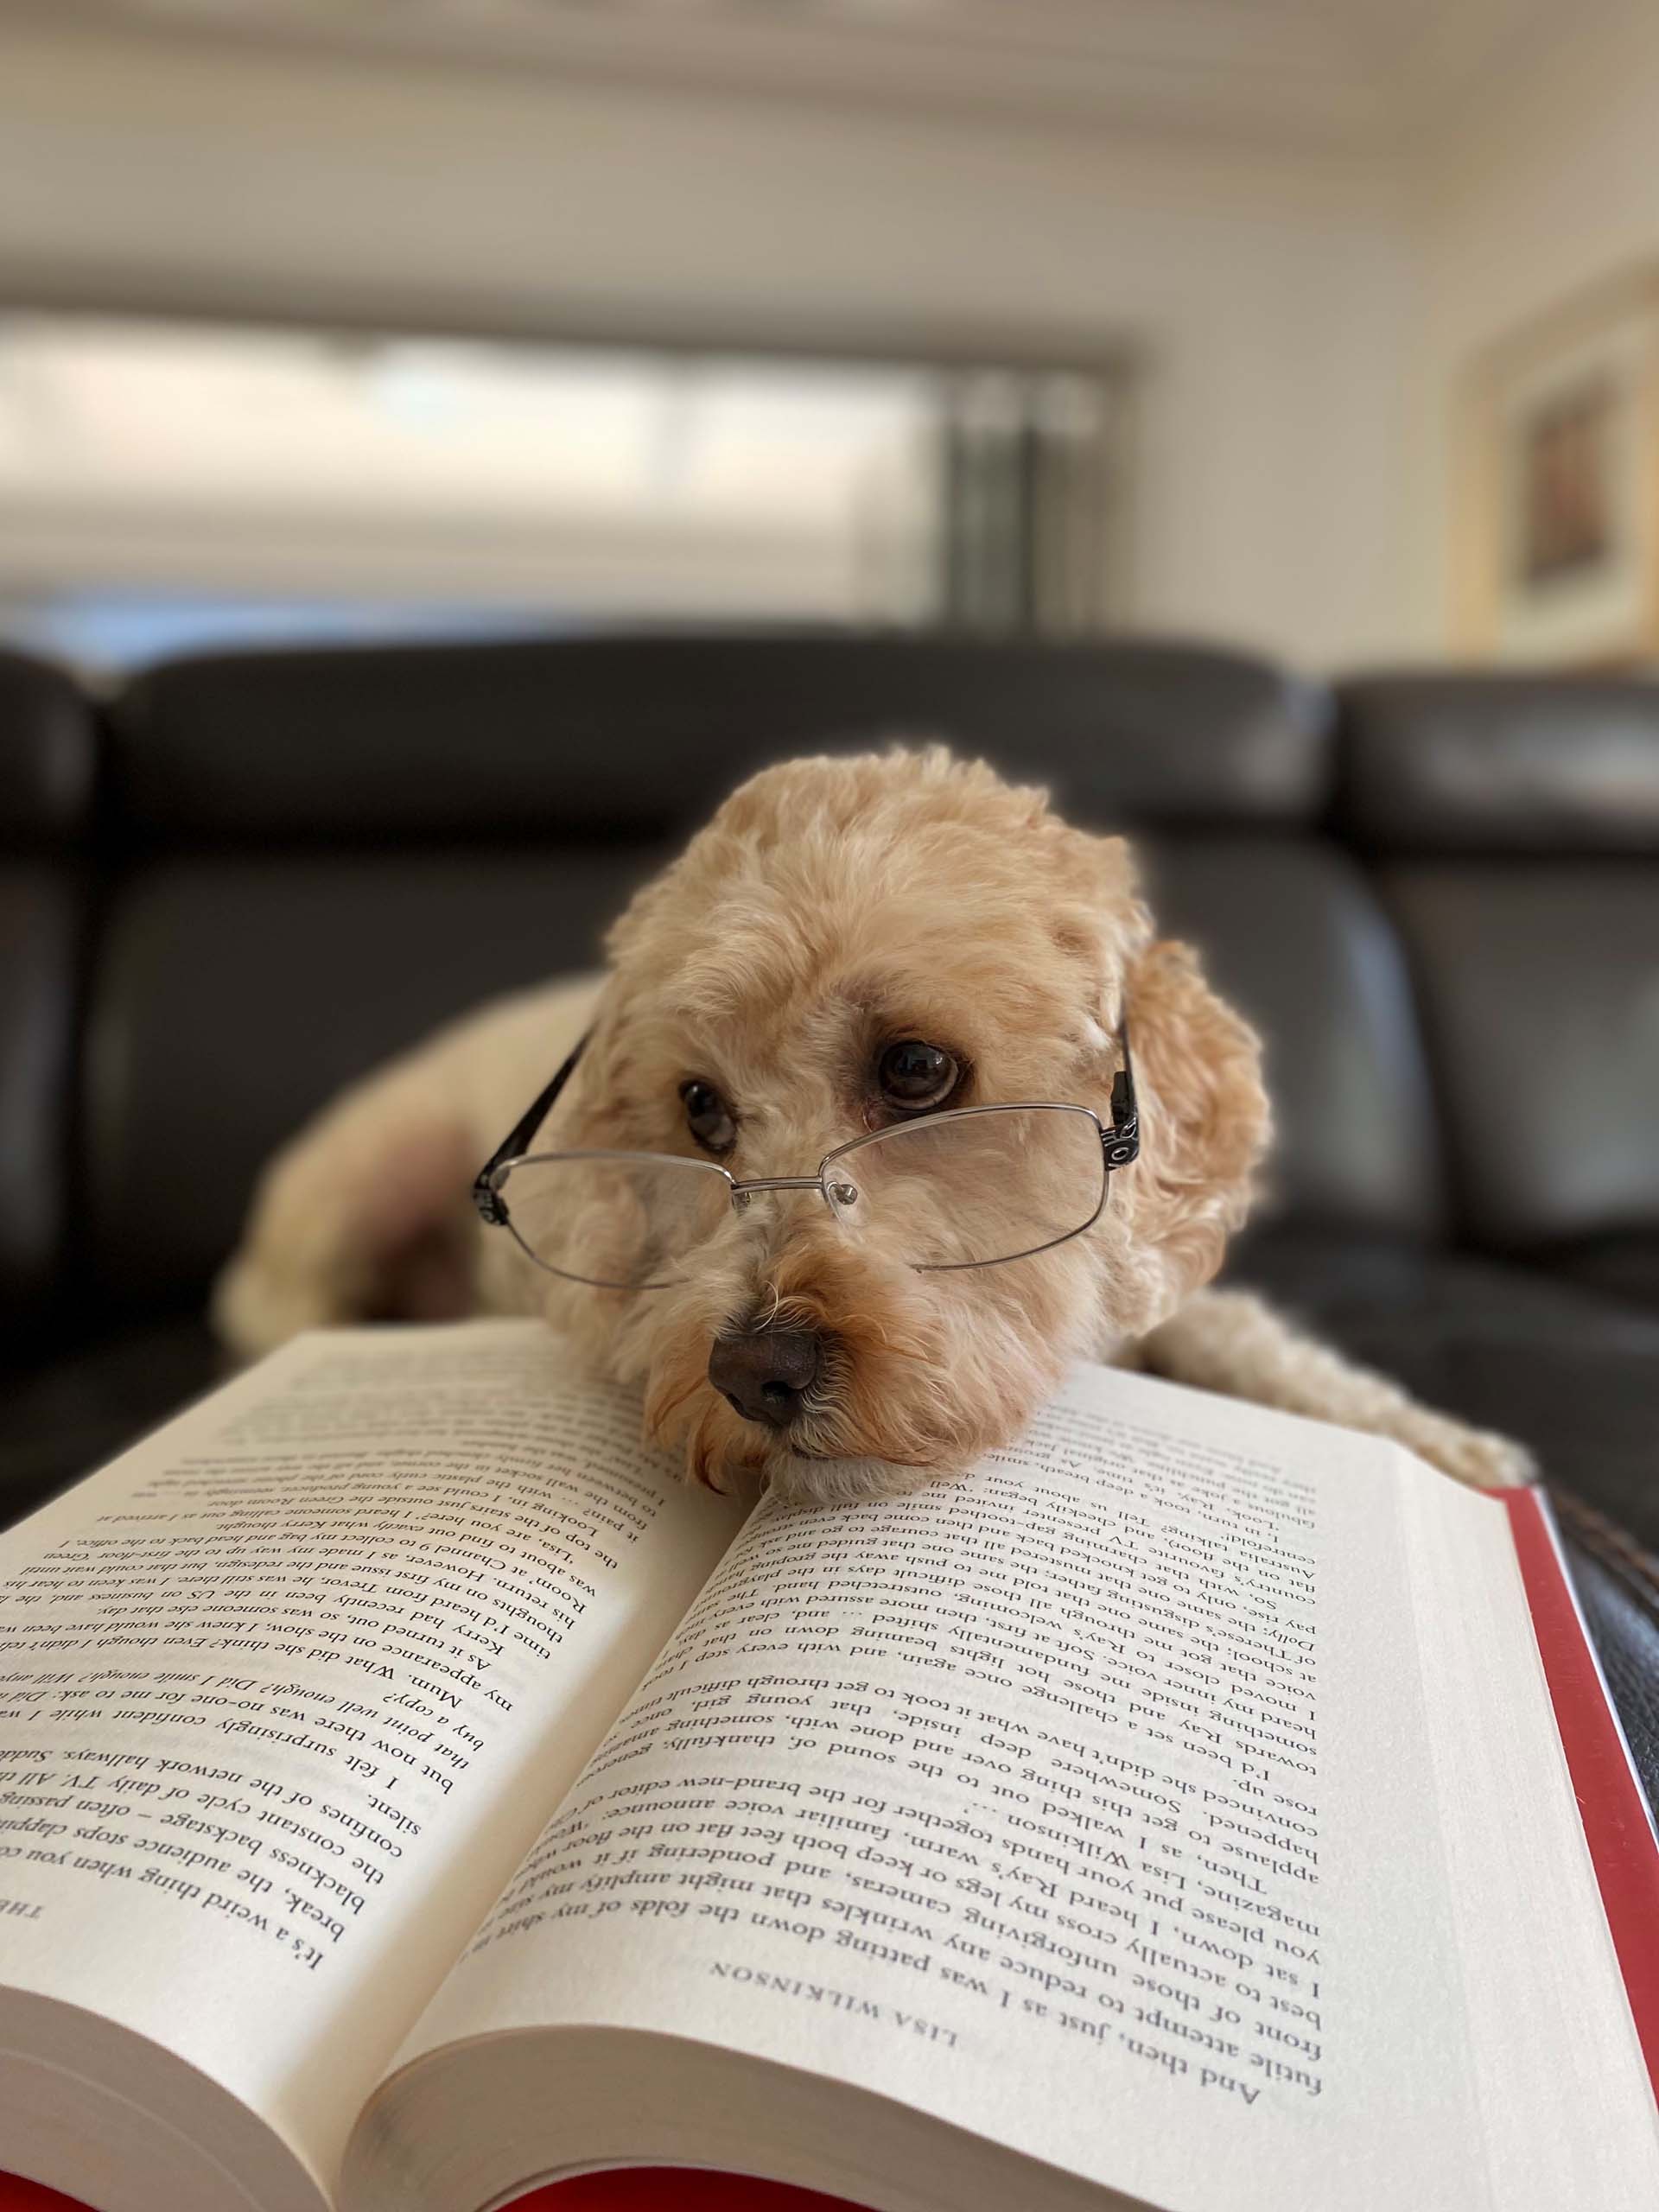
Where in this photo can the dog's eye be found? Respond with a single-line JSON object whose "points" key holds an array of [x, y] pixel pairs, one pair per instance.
{"points": [[914, 1074], [708, 1116]]}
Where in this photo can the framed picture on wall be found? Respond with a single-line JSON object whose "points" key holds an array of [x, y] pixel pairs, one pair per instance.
{"points": [[1558, 491]]}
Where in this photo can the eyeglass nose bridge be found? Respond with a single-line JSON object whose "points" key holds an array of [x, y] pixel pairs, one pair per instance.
{"points": [[833, 1185], [742, 1192]]}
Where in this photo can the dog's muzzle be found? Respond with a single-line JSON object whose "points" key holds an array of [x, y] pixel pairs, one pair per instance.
{"points": [[766, 1375]]}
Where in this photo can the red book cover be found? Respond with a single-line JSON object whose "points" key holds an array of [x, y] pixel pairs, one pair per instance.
{"points": [[1617, 1828], [1618, 1824], [642, 2188]]}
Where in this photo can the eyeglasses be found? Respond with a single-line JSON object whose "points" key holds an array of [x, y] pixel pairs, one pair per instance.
{"points": [[967, 1189]]}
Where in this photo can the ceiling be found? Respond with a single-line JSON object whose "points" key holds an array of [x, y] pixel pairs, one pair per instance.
{"points": [[1355, 73]]}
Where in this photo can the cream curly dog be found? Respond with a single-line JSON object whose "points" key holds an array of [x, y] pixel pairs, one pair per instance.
{"points": [[852, 945]]}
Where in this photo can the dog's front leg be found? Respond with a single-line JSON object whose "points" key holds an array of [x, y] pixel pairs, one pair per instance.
{"points": [[1232, 1341]]}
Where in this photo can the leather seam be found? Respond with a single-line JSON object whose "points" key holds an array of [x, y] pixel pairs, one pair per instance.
{"points": [[1633, 1590], [1633, 1582], [1609, 1531]]}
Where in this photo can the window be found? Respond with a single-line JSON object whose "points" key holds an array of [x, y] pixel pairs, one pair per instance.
{"points": [[166, 485]]}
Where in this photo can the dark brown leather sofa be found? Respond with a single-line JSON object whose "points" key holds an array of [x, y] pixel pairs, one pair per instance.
{"points": [[241, 880]]}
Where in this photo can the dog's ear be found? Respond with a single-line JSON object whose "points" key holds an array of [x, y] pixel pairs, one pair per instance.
{"points": [[1204, 1120]]}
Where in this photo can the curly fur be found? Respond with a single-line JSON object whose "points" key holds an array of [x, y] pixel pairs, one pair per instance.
{"points": [[832, 905]]}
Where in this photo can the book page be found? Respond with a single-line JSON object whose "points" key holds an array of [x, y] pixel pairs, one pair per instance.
{"points": [[1087, 1804], [286, 1693]]}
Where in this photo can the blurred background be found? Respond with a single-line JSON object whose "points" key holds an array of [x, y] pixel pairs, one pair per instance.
{"points": [[1323, 327]]}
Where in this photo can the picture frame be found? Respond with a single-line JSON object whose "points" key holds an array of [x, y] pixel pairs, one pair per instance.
{"points": [[1557, 492]]}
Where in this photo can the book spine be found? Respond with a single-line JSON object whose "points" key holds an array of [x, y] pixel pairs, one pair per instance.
{"points": [[1618, 1824]]}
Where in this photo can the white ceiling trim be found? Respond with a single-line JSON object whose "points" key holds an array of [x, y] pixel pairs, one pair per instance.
{"points": [[1355, 74]]}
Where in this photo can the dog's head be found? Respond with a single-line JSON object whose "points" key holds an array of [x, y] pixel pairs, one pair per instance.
{"points": [[852, 945]]}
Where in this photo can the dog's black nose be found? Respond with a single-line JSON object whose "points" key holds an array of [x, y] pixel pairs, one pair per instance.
{"points": [[764, 1374]]}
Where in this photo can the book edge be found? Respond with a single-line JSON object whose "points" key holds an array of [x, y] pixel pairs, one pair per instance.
{"points": [[1618, 1826]]}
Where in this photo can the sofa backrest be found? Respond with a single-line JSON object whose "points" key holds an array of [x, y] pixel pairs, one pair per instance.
{"points": [[303, 860], [1512, 826], [635, 737], [48, 774], [328, 852]]}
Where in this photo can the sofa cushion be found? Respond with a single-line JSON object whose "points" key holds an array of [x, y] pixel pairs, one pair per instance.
{"points": [[1618, 1583], [642, 736], [63, 1416], [1500, 764], [1291, 933], [49, 755], [1571, 1373], [1538, 984], [42, 920], [1624, 1266], [236, 995]]}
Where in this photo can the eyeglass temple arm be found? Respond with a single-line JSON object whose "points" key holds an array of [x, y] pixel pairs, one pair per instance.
{"points": [[484, 1196], [1122, 1140]]}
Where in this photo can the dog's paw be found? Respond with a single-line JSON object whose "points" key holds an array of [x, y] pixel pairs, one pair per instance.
{"points": [[258, 1304], [1479, 1457], [352, 1223]]}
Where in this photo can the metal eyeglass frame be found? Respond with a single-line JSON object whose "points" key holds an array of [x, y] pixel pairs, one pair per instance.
{"points": [[1120, 1143]]}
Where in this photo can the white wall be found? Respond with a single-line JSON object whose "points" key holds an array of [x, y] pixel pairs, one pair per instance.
{"points": [[1274, 291], [1549, 184]]}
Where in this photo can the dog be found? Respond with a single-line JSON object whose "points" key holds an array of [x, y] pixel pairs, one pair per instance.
{"points": [[853, 946]]}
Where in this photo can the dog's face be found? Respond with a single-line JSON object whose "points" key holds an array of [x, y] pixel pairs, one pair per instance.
{"points": [[850, 945]]}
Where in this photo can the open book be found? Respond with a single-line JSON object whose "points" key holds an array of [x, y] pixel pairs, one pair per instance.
{"points": [[409, 1792]]}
